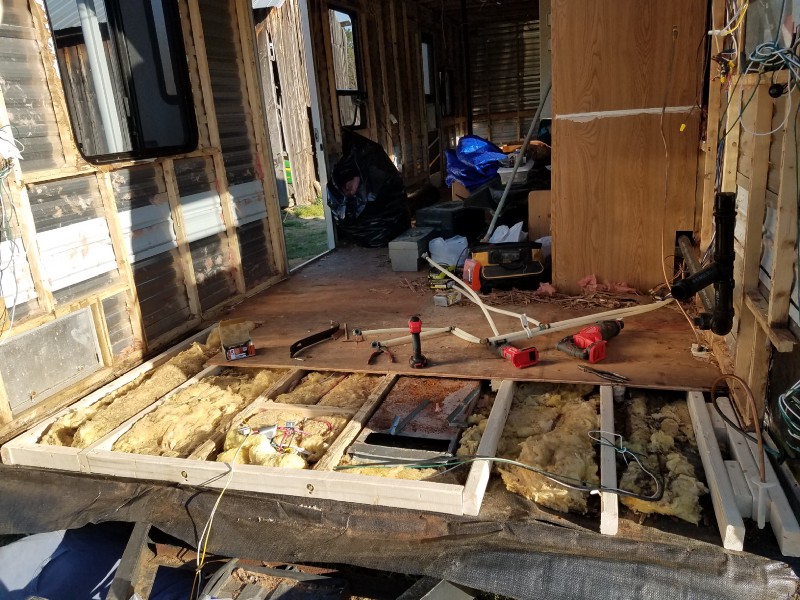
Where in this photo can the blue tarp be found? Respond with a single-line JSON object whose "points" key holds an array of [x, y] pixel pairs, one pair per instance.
{"points": [[474, 162]]}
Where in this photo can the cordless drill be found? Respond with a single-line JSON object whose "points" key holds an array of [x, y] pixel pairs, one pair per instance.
{"points": [[590, 342]]}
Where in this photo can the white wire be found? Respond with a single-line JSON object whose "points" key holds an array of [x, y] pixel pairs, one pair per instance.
{"points": [[777, 127]]}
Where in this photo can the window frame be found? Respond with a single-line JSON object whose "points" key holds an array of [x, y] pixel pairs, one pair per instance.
{"points": [[133, 124], [359, 94]]}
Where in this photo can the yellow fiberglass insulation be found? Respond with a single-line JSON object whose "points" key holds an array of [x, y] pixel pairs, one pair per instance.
{"points": [[471, 436], [352, 392], [389, 472], [311, 388], [82, 427], [549, 431], [190, 417], [311, 434], [665, 439]]}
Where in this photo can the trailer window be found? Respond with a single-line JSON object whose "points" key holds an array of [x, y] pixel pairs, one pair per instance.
{"points": [[123, 68], [346, 71]]}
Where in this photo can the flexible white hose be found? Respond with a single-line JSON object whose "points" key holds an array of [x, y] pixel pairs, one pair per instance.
{"points": [[469, 291], [578, 321]]}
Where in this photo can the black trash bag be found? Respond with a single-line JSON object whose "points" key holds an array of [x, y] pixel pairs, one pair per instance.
{"points": [[372, 210]]}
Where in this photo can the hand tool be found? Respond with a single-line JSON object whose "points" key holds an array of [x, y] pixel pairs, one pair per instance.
{"points": [[381, 350], [608, 375], [399, 424], [590, 342], [417, 360], [519, 357], [315, 338]]}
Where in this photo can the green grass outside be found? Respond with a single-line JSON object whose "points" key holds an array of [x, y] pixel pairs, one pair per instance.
{"points": [[304, 233]]}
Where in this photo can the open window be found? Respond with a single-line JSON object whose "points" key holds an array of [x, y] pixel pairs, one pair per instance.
{"points": [[123, 68], [346, 68]]}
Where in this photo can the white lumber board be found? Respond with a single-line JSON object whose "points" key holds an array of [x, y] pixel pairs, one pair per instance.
{"points": [[25, 449], [609, 503], [479, 473], [356, 424], [718, 424], [737, 446], [729, 520], [306, 483], [780, 515], [741, 491]]}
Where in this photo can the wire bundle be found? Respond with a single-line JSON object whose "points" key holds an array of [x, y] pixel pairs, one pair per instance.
{"points": [[450, 463], [789, 411]]}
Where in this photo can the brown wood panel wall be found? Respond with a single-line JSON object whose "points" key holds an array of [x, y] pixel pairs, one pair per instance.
{"points": [[617, 53], [619, 188]]}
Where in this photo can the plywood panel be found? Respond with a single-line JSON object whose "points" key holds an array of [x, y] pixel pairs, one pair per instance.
{"points": [[610, 208], [615, 54]]}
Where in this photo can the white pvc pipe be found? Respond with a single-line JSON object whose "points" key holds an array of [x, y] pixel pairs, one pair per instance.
{"points": [[578, 321], [407, 338], [470, 292], [465, 335]]}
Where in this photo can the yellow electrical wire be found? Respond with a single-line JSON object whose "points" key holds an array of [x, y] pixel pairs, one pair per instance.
{"points": [[201, 559]]}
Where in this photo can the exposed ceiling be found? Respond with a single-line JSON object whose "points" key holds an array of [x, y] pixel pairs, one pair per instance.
{"points": [[495, 11]]}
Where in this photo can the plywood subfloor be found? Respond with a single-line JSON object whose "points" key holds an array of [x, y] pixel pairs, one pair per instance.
{"points": [[357, 287]]}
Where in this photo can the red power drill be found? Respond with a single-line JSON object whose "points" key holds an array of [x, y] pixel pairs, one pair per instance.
{"points": [[590, 343]]}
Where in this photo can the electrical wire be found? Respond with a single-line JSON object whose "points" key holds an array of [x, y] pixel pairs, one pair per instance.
{"points": [[450, 463], [205, 535], [666, 174], [751, 404]]}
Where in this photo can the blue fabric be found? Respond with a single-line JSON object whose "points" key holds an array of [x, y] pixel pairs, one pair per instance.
{"points": [[474, 161], [77, 564]]}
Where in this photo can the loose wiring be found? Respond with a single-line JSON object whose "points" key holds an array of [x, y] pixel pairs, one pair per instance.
{"points": [[450, 463], [789, 411], [205, 535]]}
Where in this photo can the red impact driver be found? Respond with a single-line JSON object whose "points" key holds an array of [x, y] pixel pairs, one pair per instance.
{"points": [[417, 360], [590, 343]]}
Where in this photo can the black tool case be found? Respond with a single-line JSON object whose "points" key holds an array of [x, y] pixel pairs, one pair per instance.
{"points": [[513, 264], [451, 218]]}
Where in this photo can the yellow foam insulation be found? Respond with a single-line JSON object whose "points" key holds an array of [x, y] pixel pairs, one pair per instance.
{"points": [[664, 438], [549, 431], [190, 417], [398, 472], [352, 392], [81, 428], [311, 388], [471, 436], [313, 434]]}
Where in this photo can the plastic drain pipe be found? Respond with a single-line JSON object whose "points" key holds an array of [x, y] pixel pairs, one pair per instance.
{"points": [[577, 322]]}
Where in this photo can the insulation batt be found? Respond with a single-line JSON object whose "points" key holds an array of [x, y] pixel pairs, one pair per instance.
{"points": [[398, 472], [313, 387], [661, 437], [190, 417], [352, 392], [81, 428], [256, 449], [549, 431]]}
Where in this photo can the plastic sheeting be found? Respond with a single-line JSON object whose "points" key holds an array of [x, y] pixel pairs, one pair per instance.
{"points": [[505, 551]]}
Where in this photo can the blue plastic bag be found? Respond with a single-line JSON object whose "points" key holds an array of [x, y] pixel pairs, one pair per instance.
{"points": [[474, 161]]}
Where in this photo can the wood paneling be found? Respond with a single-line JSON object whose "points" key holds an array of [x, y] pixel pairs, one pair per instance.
{"points": [[615, 54], [621, 190], [609, 207]]}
